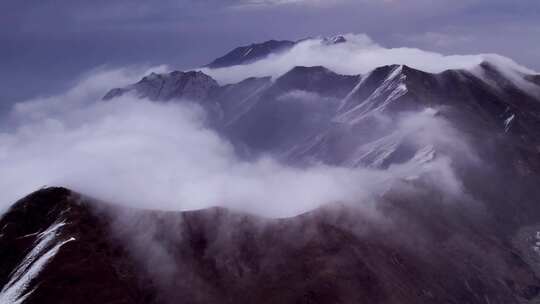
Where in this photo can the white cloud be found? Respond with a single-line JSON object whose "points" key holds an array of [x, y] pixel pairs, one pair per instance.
{"points": [[358, 56], [160, 155]]}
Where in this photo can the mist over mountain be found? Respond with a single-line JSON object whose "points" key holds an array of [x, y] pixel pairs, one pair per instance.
{"points": [[323, 170]]}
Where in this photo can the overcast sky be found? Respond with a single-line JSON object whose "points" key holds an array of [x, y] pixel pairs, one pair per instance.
{"points": [[45, 45]]}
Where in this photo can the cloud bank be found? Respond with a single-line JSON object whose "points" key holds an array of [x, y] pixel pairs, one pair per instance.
{"points": [[161, 156], [359, 55]]}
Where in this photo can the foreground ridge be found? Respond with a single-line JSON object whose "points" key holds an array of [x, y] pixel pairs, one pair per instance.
{"points": [[98, 252]]}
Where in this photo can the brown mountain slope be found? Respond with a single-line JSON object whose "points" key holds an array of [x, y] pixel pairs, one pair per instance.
{"points": [[331, 255]]}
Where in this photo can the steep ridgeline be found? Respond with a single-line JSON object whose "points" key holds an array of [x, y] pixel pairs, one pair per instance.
{"points": [[257, 51], [59, 247], [312, 113], [250, 53]]}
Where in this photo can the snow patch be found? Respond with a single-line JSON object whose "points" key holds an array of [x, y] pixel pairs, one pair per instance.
{"points": [[425, 155], [374, 154], [248, 52], [508, 123], [17, 289], [536, 246]]}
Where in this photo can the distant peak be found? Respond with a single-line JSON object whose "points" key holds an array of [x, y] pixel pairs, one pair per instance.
{"points": [[250, 53]]}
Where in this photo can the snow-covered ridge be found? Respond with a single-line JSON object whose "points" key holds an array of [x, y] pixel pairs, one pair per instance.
{"points": [[46, 247]]}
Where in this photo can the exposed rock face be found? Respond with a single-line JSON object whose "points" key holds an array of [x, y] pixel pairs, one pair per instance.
{"points": [[428, 254]]}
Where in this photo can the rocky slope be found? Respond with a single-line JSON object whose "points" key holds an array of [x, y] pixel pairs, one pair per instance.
{"points": [[59, 247]]}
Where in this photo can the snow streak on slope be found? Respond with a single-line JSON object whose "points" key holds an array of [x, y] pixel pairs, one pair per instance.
{"points": [[47, 246], [246, 104], [390, 90], [410, 139], [508, 122], [343, 102]]}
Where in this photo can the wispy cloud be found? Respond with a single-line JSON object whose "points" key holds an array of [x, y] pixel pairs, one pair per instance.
{"points": [[160, 155]]}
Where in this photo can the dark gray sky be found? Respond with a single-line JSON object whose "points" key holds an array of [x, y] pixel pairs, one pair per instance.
{"points": [[46, 44]]}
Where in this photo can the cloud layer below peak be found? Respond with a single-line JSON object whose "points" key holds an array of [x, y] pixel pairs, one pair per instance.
{"points": [[155, 155]]}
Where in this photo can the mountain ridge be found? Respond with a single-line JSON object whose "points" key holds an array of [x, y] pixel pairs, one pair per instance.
{"points": [[349, 100], [250, 53], [228, 259]]}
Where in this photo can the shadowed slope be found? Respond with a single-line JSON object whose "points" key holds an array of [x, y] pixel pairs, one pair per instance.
{"points": [[331, 255]]}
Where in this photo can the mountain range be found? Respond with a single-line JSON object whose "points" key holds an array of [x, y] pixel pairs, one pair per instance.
{"points": [[479, 246]]}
